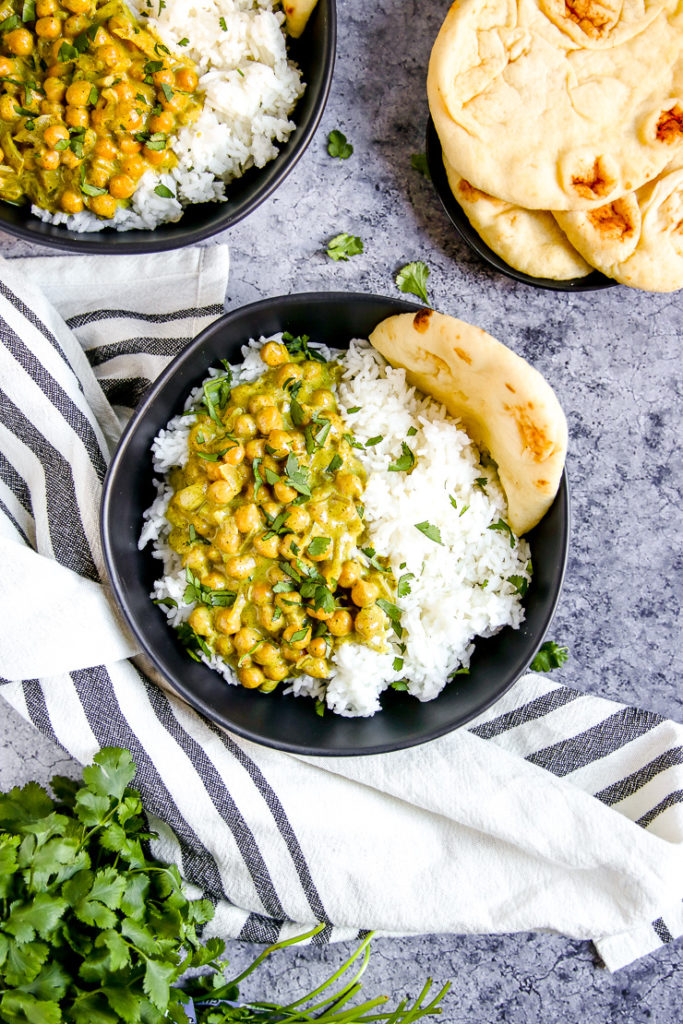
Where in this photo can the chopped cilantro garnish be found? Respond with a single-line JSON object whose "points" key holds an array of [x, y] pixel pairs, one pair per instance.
{"points": [[164, 191], [223, 25], [503, 527], [405, 462], [412, 278], [418, 161], [318, 546], [334, 464], [343, 246], [337, 145], [549, 656], [431, 532], [403, 588], [393, 614]]}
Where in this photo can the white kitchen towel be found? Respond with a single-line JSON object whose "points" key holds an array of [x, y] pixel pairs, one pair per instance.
{"points": [[554, 810]]}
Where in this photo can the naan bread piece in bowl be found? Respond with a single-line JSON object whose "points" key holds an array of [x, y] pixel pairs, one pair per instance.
{"points": [[505, 405], [638, 239], [297, 13], [526, 113], [531, 241]]}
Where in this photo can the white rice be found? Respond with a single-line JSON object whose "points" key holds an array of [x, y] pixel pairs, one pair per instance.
{"points": [[250, 90], [460, 587]]}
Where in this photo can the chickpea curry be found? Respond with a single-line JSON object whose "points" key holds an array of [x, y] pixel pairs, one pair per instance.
{"points": [[89, 101], [267, 518]]}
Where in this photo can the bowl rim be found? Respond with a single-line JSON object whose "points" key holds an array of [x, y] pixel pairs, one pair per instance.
{"points": [[131, 242], [595, 281], [177, 686]]}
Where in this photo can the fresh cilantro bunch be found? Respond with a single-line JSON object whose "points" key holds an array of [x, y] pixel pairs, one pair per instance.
{"points": [[91, 930]]}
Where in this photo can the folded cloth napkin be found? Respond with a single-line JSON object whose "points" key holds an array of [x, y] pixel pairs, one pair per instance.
{"points": [[553, 810]]}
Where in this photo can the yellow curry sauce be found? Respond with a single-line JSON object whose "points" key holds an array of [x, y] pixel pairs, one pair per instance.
{"points": [[267, 517], [89, 101]]}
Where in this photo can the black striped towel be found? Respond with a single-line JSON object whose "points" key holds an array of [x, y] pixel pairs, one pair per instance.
{"points": [[554, 810]]}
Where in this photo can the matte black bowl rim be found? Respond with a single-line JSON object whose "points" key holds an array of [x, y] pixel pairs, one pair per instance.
{"points": [[177, 686], [56, 236], [595, 281]]}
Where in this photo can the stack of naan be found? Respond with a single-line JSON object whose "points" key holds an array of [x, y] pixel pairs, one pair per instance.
{"points": [[561, 125]]}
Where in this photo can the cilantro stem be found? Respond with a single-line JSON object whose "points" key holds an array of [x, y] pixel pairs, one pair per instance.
{"points": [[271, 949]]}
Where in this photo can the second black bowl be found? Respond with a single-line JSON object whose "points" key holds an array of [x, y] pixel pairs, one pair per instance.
{"points": [[314, 52], [456, 215], [276, 719]]}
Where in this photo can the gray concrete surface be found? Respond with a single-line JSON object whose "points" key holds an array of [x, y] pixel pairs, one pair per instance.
{"points": [[614, 358]]}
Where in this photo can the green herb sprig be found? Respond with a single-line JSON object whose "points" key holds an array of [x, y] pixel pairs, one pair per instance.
{"points": [[412, 278], [550, 655]]}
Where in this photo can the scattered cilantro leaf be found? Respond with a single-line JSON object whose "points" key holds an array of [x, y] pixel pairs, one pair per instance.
{"points": [[503, 527], [431, 532], [403, 586], [393, 614], [319, 546], [418, 161], [337, 146], [412, 278], [335, 464], [343, 246], [164, 191], [405, 462], [549, 656]]}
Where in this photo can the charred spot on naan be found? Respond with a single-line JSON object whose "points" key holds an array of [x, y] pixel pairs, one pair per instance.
{"points": [[614, 221], [594, 181], [670, 125], [535, 438], [473, 195], [593, 18], [421, 320]]}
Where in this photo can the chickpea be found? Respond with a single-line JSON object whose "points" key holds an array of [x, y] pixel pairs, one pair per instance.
{"points": [[70, 160], [227, 539], [278, 670], [317, 667], [268, 548], [98, 176], [340, 624], [77, 117], [108, 54], [105, 149], [129, 145], [54, 89], [49, 159], [228, 620], [271, 508], [247, 518], [75, 25], [131, 118], [117, 23], [283, 492], [290, 546], [8, 108], [240, 566], [163, 77], [297, 442], [221, 492], [176, 104], [274, 354], [215, 581], [78, 94], [245, 639], [266, 654], [262, 593], [251, 678], [44, 8], [279, 443], [121, 186], [320, 614], [288, 371], [200, 620], [350, 573], [77, 6], [234, 455], [125, 93], [322, 398], [224, 646], [300, 642], [286, 602], [269, 419], [364, 593], [258, 402], [187, 80], [370, 622], [162, 122], [6, 66], [245, 426], [349, 484], [155, 157], [71, 202], [48, 28], [55, 133], [311, 371], [271, 618], [298, 519], [19, 42], [134, 166], [255, 449], [53, 109], [317, 647]]}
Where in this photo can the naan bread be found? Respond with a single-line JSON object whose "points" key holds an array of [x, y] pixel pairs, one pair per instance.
{"points": [[555, 106], [638, 239], [297, 13], [528, 240], [504, 404]]}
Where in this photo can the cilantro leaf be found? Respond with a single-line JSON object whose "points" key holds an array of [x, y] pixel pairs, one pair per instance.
{"points": [[164, 191], [393, 614], [549, 656], [520, 583], [418, 161], [110, 773], [334, 464], [412, 278], [343, 246], [432, 532], [503, 527], [337, 146], [403, 587], [318, 546], [405, 462]]}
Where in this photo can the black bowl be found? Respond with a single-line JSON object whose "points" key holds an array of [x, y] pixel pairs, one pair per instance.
{"points": [[592, 282], [314, 52], [277, 720]]}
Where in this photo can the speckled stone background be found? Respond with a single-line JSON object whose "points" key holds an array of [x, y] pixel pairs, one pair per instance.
{"points": [[614, 358]]}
